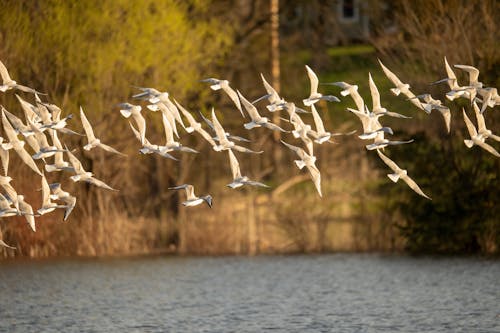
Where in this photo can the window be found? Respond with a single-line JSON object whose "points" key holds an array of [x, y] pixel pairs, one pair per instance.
{"points": [[348, 10]]}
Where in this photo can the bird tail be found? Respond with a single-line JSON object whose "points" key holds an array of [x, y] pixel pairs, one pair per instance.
{"points": [[395, 91], [215, 86], [126, 113], [300, 164], [393, 176], [469, 143], [345, 92]]}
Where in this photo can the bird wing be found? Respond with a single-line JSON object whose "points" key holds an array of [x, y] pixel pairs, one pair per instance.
{"points": [[470, 126], [4, 156], [313, 78], [274, 97], [75, 162], [99, 183], [390, 75], [86, 126], [488, 148], [4, 203], [374, 92], [141, 124], [235, 165], [70, 204], [299, 151], [452, 78], [9, 130], [169, 134], [45, 191], [219, 130], [413, 185], [206, 136], [186, 114], [250, 108], [233, 96], [4, 73], [473, 72], [190, 192], [316, 178], [481, 125], [320, 128], [110, 149], [390, 163]]}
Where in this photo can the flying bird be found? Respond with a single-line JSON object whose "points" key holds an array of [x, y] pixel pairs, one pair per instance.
{"points": [[191, 198]]}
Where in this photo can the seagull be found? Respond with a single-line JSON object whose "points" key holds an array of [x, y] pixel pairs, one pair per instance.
{"points": [[256, 119], [11, 192], [82, 175], [161, 101], [401, 174], [350, 89], [59, 162], [400, 87], [490, 97], [194, 125], [238, 179], [25, 130], [45, 150], [148, 148], [455, 90], [26, 210], [320, 134], [377, 107], [6, 209], [47, 205], [92, 140], [371, 125], [315, 95], [170, 143], [68, 199], [216, 84], [8, 83], [128, 110], [380, 142], [477, 139], [474, 84], [301, 131], [224, 142], [308, 161], [229, 136], [274, 99], [192, 199], [430, 104], [481, 125], [57, 123], [17, 144]]}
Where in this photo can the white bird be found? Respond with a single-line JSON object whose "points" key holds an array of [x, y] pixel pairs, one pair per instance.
{"points": [[350, 89], [229, 136], [11, 192], [224, 142], [45, 150], [68, 199], [57, 123], [216, 84], [238, 179], [192, 199], [8, 83], [308, 161], [170, 143], [92, 140], [490, 97], [274, 99], [148, 148], [430, 104], [477, 138], [400, 87], [26, 210], [85, 176], [128, 110], [6, 209], [381, 142], [481, 125], [161, 101], [59, 163], [315, 96], [451, 79], [377, 107], [371, 125], [47, 205], [194, 125], [17, 144], [320, 134], [256, 119], [401, 174]]}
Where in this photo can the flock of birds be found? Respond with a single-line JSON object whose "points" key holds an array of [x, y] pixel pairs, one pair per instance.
{"points": [[44, 122]]}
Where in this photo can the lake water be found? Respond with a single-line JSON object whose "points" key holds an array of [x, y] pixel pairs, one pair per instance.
{"points": [[324, 293]]}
